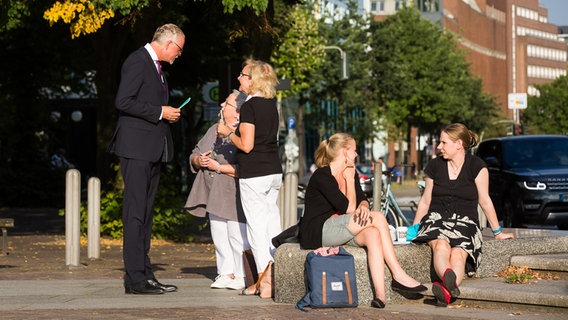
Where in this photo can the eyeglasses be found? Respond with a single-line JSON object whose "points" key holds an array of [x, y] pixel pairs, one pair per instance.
{"points": [[241, 74], [180, 49], [228, 104]]}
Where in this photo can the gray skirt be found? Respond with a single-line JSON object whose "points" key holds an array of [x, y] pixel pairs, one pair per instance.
{"points": [[336, 233]]}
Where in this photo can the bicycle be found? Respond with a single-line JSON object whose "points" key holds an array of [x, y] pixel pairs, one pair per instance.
{"points": [[391, 208]]}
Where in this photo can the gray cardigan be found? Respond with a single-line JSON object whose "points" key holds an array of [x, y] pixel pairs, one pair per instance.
{"points": [[212, 192]]}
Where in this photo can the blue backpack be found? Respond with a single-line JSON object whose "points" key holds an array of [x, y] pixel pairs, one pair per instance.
{"points": [[330, 280]]}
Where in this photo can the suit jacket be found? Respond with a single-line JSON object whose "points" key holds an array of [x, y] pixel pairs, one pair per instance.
{"points": [[140, 134]]}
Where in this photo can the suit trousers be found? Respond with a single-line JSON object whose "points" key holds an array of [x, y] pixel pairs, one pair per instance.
{"points": [[259, 197], [141, 179]]}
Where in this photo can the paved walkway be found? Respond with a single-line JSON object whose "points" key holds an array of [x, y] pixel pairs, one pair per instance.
{"points": [[35, 284], [98, 299]]}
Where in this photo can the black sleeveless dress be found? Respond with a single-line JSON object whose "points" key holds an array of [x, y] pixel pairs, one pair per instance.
{"points": [[453, 209]]}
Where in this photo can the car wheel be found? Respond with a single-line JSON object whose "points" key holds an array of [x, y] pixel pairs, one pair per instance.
{"points": [[510, 220]]}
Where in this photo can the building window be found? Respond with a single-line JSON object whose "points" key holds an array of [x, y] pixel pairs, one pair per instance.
{"points": [[428, 5], [378, 6], [373, 6]]}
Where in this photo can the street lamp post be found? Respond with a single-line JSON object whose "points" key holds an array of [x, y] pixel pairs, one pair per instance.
{"points": [[344, 75]]}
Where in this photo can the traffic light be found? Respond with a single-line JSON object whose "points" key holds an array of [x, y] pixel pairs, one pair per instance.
{"points": [[518, 129]]}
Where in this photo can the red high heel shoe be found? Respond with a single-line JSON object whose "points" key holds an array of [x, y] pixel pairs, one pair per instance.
{"points": [[449, 281], [442, 294]]}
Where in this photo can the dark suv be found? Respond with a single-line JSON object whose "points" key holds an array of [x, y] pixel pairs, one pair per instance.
{"points": [[528, 178]]}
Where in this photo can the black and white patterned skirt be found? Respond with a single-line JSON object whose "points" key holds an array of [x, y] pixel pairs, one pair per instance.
{"points": [[459, 231]]}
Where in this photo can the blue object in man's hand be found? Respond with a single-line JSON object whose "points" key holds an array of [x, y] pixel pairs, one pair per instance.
{"points": [[412, 232]]}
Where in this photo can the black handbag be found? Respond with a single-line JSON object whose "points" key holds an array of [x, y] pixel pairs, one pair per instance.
{"points": [[289, 235]]}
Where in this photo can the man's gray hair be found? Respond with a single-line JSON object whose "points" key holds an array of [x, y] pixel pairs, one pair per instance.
{"points": [[167, 32]]}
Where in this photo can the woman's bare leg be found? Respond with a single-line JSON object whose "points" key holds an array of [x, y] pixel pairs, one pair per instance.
{"points": [[458, 257], [379, 223], [441, 255], [369, 237]]}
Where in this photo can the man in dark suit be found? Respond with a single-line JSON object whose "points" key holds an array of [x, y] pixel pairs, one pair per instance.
{"points": [[142, 141]]}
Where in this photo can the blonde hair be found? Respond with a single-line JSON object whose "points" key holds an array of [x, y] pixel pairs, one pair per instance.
{"points": [[263, 78], [330, 148], [458, 131], [167, 32]]}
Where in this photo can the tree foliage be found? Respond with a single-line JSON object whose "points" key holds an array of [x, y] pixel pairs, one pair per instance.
{"points": [[422, 78], [338, 104], [300, 51], [84, 16], [88, 16], [547, 113]]}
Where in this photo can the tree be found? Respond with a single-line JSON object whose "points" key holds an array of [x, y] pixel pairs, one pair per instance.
{"points": [[47, 59], [338, 104], [546, 113], [300, 51], [86, 16], [422, 79]]}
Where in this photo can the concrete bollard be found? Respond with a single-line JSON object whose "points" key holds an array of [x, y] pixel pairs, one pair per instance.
{"points": [[72, 218], [377, 187], [94, 218], [289, 210], [280, 200]]}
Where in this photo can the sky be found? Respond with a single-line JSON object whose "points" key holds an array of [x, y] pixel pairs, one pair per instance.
{"points": [[557, 11]]}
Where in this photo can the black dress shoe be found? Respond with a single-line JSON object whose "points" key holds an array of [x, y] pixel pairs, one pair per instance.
{"points": [[396, 286], [142, 288], [164, 287]]}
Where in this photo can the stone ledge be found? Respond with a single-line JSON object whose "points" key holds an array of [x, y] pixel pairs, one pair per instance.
{"points": [[416, 261], [549, 293], [548, 262]]}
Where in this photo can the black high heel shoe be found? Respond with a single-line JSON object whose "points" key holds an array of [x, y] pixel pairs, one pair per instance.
{"points": [[377, 303], [398, 287]]}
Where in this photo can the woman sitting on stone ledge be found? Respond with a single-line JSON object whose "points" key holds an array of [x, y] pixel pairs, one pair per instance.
{"points": [[447, 212], [337, 213]]}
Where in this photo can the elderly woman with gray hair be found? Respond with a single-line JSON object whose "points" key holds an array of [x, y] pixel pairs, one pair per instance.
{"points": [[214, 193]]}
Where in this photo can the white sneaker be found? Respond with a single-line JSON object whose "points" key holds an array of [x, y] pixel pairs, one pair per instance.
{"points": [[238, 283], [221, 282]]}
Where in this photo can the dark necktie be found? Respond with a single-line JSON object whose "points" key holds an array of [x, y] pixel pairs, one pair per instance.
{"points": [[162, 76]]}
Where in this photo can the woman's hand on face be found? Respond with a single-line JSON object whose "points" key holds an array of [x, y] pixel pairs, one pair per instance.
{"points": [[222, 129], [349, 172]]}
